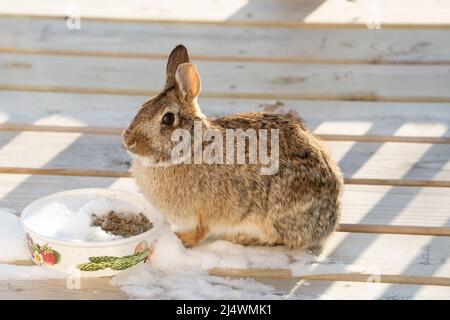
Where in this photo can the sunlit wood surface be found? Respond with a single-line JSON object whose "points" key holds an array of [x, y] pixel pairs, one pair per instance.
{"points": [[378, 98]]}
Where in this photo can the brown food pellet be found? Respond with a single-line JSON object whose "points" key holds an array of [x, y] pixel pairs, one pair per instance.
{"points": [[122, 224]]}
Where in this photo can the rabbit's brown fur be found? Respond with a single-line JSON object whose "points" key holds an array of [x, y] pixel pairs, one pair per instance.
{"points": [[299, 206]]}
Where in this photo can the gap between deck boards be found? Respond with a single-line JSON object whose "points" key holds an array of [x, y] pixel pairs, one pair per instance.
{"points": [[350, 277], [118, 131], [269, 59], [225, 95], [286, 274], [127, 174], [235, 23]]}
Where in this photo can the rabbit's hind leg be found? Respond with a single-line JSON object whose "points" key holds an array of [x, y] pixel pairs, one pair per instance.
{"points": [[306, 227], [248, 240], [253, 231]]}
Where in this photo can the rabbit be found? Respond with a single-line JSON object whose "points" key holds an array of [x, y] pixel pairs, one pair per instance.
{"points": [[298, 206]]}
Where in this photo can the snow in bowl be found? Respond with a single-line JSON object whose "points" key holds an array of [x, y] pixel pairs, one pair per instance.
{"points": [[91, 232]]}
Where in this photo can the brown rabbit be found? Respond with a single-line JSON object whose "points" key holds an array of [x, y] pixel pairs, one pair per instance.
{"points": [[298, 206]]}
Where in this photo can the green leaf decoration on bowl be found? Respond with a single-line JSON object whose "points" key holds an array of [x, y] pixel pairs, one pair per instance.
{"points": [[114, 263]]}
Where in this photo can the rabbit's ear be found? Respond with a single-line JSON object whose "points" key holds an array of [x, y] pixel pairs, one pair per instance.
{"points": [[178, 56], [188, 81]]}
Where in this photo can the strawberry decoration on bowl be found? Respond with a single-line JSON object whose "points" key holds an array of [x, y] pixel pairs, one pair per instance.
{"points": [[50, 256], [42, 253]]}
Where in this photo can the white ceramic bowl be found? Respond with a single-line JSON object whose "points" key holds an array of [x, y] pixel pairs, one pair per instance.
{"points": [[99, 259]]}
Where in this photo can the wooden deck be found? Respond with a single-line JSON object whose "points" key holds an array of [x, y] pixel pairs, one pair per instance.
{"points": [[380, 99]]}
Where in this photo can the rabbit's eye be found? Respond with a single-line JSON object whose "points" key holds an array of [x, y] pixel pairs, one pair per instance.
{"points": [[168, 118]]}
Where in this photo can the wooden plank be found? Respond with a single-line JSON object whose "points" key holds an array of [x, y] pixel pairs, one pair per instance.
{"points": [[63, 151], [152, 41], [399, 182], [67, 172], [172, 10], [408, 206], [341, 290], [358, 160], [403, 12], [91, 289], [407, 255], [360, 138], [282, 13], [392, 160], [377, 205], [379, 228], [18, 190], [101, 289], [229, 79], [113, 112], [351, 277]]}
